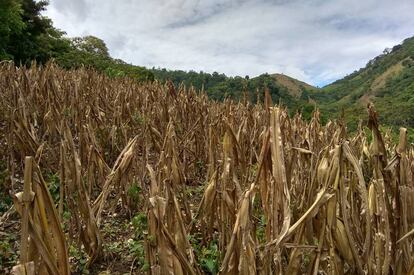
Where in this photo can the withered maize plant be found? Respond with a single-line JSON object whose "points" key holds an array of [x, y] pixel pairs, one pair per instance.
{"points": [[279, 195]]}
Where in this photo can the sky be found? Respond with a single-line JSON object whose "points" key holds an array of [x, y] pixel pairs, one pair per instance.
{"points": [[316, 41]]}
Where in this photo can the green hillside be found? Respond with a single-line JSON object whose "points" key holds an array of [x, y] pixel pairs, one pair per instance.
{"points": [[387, 81]]}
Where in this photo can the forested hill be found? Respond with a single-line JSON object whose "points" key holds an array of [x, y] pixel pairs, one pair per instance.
{"points": [[387, 81]]}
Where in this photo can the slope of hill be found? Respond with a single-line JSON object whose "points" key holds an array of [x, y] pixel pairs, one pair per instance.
{"points": [[294, 86], [387, 81]]}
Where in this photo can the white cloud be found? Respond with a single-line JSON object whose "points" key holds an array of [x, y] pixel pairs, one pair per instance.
{"points": [[316, 41]]}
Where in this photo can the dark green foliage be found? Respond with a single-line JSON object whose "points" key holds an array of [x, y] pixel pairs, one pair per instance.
{"points": [[207, 254], [260, 229], [133, 192], [199, 80], [136, 245], [209, 258], [54, 186], [26, 35], [8, 251], [11, 24], [37, 40]]}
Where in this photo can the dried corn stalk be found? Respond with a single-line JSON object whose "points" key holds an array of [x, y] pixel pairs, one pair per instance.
{"points": [[43, 246], [77, 197]]}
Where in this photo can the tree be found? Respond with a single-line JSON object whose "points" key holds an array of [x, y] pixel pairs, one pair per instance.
{"points": [[91, 44], [11, 24], [34, 38], [24, 45]]}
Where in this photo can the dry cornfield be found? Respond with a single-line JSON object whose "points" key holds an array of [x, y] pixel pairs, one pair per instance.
{"points": [[211, 187]]}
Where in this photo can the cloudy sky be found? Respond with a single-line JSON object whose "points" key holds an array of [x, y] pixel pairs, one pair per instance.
{"points": [[316, 41]]}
